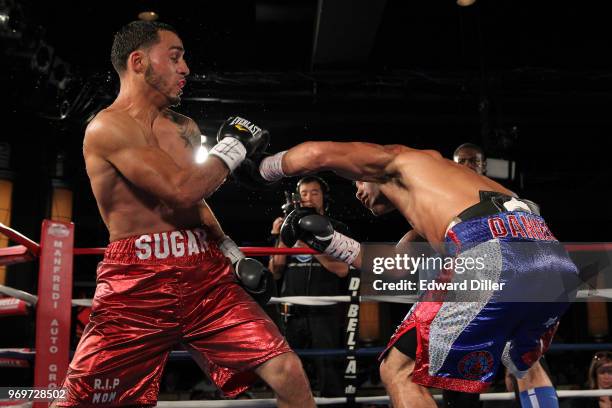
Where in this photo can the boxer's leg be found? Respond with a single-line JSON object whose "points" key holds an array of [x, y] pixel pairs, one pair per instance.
{"points": [[396, 374], [536, 389], [233, 339], [526, 347], [285, 375]]}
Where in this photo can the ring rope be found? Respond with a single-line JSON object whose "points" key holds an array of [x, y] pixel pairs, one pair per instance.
{"points": [[21, 239], [19, 294], [179, 355]]}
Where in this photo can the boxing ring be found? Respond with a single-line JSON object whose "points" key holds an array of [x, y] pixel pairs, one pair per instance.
{"points": [[53, 307]]}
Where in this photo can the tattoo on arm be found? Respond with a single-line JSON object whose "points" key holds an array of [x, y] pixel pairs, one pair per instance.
{"points": [[187, 129], [191, 135]]}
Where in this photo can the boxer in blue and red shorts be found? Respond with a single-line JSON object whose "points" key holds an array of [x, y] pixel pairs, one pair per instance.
{"points": [[170, 276], [454, 345], [520, 255]]}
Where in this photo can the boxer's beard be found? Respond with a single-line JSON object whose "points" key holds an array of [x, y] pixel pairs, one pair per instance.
{"points": [[157, 82]]}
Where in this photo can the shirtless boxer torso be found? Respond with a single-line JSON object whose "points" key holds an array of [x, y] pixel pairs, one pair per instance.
{"points": [[124, 207]]}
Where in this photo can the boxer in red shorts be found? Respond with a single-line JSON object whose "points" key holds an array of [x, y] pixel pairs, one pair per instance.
{"points": [[167, 277]]}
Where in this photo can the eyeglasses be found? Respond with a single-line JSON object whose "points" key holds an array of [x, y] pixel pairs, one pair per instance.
{"points": [[606, 369]]}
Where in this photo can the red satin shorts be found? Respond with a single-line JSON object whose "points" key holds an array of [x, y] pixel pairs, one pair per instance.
{"points": [[157, 291]]}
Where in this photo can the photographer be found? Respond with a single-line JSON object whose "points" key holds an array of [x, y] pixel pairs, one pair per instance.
{"points": [[313, 275]]}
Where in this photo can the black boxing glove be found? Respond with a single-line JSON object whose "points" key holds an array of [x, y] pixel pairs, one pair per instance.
{"points": [[252, 137], [247, 174], [318, 233], [290, 231], [255, 278]]}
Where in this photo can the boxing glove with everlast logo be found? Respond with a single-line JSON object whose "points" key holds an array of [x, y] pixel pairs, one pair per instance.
{"points": [[252, 137], [238, 138]]}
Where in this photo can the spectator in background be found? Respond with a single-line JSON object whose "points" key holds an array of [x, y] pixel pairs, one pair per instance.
{"points": [[600, 378], [472, 156]]}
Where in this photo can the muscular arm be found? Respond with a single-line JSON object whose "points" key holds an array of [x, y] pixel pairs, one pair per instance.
{"points": [[404, 243], [190, 133], [352, 160], [278, 262], [149, 167]]}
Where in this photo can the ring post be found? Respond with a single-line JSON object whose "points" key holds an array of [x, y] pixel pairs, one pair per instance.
{"points": [[53, 309]]}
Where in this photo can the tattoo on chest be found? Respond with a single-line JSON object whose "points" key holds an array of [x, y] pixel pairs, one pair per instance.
{"points": [[187, 130]]}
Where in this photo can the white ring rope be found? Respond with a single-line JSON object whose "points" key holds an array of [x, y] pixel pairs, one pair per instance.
{"points": [[82, 302], [19, 294]]}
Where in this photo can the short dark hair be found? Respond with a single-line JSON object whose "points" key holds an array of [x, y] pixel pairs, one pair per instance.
{"points": [[469, 146], [313, 179], [132, 36]]}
